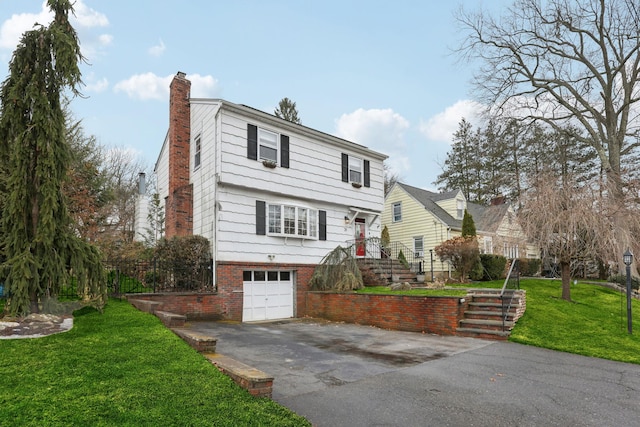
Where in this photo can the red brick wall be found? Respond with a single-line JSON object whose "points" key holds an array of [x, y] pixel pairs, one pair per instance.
{"points": [[179, 204], [435, 315], [194, 306]]}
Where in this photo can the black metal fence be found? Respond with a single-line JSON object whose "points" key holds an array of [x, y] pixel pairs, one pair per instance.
{"points": [[137, 276]]}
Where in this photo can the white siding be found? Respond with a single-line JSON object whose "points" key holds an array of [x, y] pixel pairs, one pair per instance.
{"points": [[314, 172], [237, 239]]}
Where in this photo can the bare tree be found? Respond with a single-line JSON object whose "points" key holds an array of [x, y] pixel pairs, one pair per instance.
{"points": [[568, 220], [566, 63]]}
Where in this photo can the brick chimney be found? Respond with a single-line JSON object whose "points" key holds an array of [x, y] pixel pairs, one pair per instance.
{"points": [[179, 205]]}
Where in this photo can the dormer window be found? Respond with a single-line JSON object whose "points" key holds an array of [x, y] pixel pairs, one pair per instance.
{"points": [[459, 209]]}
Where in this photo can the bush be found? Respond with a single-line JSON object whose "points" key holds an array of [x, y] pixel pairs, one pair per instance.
{"points": [[493, 266], [529, 267], [403, 259], [188, 259], [621, 279]]}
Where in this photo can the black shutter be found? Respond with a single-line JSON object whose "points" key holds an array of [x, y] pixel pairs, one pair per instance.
{"points": [[252, 142], [345, 168], [322, 226], [284, 151], [261, 218], [367, 180]]}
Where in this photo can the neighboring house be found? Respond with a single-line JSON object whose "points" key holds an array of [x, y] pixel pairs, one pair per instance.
{"points": [[272, 197], [421, 220]]}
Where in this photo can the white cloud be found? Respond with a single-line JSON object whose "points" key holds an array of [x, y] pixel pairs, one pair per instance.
{"points": [[83, 20], [87, 17], [380, 130], [158, 49], [105, 39], [96, 86], [149, 86], [13, 28], [442, 126]]}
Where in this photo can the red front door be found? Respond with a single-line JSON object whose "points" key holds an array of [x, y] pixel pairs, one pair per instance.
{"points": [[360, 234]]}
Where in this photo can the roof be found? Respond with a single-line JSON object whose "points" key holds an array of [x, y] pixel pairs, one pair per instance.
{"points": [[487, 219]]}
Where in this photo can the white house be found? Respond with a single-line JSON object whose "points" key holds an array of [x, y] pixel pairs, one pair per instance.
{"points": [[272, 197]]}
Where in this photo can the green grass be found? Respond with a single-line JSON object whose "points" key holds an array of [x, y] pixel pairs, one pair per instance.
{"points": [[593, 324], [385, 290], [122, 368]]}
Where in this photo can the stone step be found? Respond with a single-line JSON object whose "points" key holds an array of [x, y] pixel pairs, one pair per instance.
{"points": [[487, 315], [486, 324], [483, 334], [256, 382]]}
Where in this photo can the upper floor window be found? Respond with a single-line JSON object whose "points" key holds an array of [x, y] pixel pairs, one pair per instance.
{"points": [[268, 145], [265, 145], [459, 209], [196, 160], [397, 212], [288, 220], [355, 170]]}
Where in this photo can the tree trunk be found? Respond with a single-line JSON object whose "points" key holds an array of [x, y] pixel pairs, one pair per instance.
{"points": [[565, 272]]}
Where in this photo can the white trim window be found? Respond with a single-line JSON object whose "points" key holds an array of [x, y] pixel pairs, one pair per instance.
{"points": [[292, 221], [418, 246], [355, 170], [267, 145], [196, 157], [397, 212], [488, 245]]}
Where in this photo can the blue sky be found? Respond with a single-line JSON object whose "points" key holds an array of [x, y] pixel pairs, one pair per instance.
{"points": [[378, 73]]}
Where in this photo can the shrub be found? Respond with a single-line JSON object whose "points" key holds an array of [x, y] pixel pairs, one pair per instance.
{"points": [[529, 267], [621, 279], [402, 259], [189, 260], [493, 266]]}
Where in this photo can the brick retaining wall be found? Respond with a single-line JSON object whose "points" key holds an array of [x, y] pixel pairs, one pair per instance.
{"points": [[436, 315]]}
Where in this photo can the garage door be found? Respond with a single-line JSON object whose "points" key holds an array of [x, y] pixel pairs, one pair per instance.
{"points": [[267, 295]]}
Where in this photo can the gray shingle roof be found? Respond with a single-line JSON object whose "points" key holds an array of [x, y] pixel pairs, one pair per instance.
{"points": [[486, 218]]}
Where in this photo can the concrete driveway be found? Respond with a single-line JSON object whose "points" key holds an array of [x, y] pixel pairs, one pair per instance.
{"points": [[338, 374]]}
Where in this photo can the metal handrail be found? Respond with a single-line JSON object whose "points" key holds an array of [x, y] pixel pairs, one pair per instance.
{"points": [[512, 276]]}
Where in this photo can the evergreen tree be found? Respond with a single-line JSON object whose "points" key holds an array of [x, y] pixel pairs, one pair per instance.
{"points": [[463, 164], [468, 225], [39, 241], [287, 110]]}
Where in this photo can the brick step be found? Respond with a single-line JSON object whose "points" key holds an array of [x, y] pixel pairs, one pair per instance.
{"points": [[202, 343], [171, 320], [256, 382], [482, 334]]}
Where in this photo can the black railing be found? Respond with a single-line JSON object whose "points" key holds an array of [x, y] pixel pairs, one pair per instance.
{"points": [[511, 283], [152, 276], [384, 254]]}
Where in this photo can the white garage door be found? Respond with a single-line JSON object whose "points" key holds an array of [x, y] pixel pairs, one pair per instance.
{"points": [[267, 295]]}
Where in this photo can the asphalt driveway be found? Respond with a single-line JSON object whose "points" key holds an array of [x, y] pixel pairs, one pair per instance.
{"points": [[350, 375]]}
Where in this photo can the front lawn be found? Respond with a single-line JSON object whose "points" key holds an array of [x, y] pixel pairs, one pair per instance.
{"points": [[122, 368], [593, 324]]}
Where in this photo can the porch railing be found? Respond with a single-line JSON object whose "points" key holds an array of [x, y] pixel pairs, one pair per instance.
{"points": [[373, 248]]}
